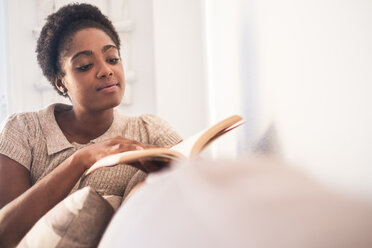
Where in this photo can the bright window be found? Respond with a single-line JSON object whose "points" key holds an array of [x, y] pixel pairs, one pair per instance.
{"points": [[3, 64]]}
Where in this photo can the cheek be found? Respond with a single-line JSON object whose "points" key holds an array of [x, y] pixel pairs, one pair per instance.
{"points": [[76, 82], [120, 73]]}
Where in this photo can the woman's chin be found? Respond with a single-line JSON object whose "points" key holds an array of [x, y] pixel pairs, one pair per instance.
{"points": [[113, 104], [105, 105]]}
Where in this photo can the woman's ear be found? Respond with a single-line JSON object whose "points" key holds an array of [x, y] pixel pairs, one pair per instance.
{"points": [[60, 86]]}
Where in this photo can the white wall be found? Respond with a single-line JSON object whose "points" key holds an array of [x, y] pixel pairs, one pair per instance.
{"points": [[23, 68], [223, 47], [179, 64], [141, 58], [197, 52], [4, 104], [314, 61]]}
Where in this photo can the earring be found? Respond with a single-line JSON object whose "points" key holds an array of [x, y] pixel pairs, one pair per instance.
{"points": [[64, 93]]}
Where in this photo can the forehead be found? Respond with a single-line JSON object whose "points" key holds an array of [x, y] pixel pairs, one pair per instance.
{"points": [[88, 39]]}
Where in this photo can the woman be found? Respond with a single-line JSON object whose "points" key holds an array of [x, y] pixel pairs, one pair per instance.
{"points": [[44, 154]]}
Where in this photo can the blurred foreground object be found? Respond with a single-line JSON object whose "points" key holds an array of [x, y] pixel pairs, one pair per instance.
{"points": [[243, 203]]}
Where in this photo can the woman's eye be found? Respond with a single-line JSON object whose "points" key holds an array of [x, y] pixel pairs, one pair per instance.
{"points": [[84, 67], [113, 61]]}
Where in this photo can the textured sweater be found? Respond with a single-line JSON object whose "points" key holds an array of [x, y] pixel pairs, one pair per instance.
{"points": [[35, 140]]}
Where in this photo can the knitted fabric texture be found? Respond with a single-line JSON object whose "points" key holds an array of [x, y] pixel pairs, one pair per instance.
{"points": [[35, 140]]}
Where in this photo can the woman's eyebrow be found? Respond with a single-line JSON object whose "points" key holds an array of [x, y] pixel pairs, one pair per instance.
{"points": [[107, 47], [89, 52], [85, 52]]}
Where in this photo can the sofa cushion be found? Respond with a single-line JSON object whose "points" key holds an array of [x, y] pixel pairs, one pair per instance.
{"points": [[238, 203], [78, 221], [113, 200]]}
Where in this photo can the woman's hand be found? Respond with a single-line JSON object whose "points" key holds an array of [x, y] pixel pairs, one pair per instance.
{"points": [[88, 155], [91, 154]]}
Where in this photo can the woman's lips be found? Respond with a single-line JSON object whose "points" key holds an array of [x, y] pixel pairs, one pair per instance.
{"points": [[109, 87]]}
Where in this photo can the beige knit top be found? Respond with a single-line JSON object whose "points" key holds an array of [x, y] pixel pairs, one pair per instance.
{"points": [[35, 140]]}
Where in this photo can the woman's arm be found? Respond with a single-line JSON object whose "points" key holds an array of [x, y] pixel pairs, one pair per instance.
{"points": [[14, 180], [19, 215]]}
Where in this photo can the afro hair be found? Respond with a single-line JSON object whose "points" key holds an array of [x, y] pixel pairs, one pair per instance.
{"points": [[60, 26]]}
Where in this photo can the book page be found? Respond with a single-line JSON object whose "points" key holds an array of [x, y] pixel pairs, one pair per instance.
{"points": [[186, 145], [186, 149], [214, 132], [195, 144], [154, 154]]}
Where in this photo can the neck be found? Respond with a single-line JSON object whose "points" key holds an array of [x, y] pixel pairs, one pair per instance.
{"points": [[82, 126]]}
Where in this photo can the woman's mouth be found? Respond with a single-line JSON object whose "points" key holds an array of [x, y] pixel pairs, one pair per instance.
{"points": [[109, 87]]}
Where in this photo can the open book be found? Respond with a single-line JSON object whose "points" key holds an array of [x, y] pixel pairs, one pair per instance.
{"points": [[189, 148]]}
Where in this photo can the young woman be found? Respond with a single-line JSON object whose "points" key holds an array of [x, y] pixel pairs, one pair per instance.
{"points": [[44, 154]]}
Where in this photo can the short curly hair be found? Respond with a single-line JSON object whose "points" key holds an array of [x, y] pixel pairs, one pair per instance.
{"points": [[58, 30]]}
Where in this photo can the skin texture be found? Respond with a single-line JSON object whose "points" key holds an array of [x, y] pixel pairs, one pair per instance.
{"points": [[92, 63], [95, 83]]}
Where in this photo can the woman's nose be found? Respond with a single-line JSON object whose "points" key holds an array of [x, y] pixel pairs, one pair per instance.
{"points": [[104, 71]]}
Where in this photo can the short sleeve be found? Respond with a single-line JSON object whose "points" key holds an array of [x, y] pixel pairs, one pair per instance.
{"points": [[14, 139], [159, 131]]}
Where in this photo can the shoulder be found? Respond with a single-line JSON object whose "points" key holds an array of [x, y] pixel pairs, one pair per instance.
{"points": [[153, 120], [29, 125], [141, 121], [17, 137], [150, 122], [161, 131], [26, 121], [150, 129], [31, 120]]}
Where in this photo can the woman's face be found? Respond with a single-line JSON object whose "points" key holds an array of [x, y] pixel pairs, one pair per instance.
{"points": [[94, 75]]}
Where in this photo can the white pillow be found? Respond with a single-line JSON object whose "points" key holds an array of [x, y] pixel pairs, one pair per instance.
{"points": [[78, 221]]}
